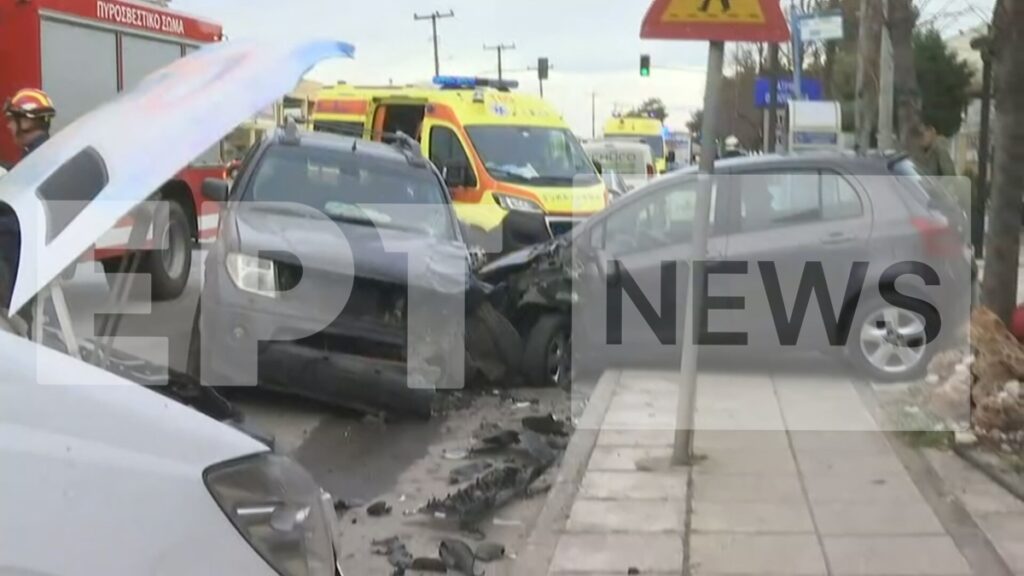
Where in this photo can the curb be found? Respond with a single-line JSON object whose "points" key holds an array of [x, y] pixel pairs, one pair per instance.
{"points": [[989, 470], [535, 557]]}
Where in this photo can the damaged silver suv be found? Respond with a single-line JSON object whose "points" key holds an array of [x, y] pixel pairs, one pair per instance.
{"points": [[328, 246]]}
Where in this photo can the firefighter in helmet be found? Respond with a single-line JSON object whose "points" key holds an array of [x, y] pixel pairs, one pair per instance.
{"points": [[28, 114]]}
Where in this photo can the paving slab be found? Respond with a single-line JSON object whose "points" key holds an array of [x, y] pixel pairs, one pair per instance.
{"points": [[911, 516], [833, 441], [894, 556], [756, 554], [859, 487], [756, 517], [746, 488], [612, 458], [636, 438], [728, 440], [748, 461], [882, 464], [634, 485], [631, 516], [616, 553]]}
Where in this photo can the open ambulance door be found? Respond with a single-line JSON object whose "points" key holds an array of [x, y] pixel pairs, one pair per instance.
{"points": [[395, 114]]}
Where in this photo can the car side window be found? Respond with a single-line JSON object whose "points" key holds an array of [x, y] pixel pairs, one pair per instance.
{"points": [[446, 151], [780, 199], [660, 218], [839, 199]]}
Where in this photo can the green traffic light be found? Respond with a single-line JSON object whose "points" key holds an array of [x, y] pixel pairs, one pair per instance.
{"points": [[645, 72]]}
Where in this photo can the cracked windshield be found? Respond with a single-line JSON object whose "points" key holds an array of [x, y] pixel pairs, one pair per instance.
{"points": [[669, 287]]}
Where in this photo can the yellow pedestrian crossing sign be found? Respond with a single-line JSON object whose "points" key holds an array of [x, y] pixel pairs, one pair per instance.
{"points": [[722, 20], [739, 11]]}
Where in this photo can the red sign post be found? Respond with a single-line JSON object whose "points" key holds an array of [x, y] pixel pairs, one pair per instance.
{"points": [[717, 21]]}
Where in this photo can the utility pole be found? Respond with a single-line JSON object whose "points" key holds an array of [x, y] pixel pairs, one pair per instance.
{"points": [[593, 115], [434, 17], [885, 85], [499, 48], [773, 96]]}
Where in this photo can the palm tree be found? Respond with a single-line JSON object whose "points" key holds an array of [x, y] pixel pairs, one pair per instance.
{"points": [[1002, 240]]}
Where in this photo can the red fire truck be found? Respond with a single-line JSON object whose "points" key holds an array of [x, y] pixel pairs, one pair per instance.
{"points": [[83, 53]]}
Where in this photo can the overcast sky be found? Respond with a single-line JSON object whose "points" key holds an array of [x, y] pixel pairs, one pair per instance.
{"points": [[593, 45]]}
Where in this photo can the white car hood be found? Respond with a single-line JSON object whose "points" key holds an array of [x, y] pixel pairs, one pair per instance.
{"points": [[138, 141], [50, 399]]}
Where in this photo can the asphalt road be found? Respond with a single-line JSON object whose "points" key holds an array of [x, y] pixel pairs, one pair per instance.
{"points": [[357, 458]]}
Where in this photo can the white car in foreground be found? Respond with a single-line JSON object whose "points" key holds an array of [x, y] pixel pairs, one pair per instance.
{"points": [[100, 474]]}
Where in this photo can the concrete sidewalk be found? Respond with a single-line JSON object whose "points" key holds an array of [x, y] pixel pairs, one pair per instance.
{"points": [[797, 480]]}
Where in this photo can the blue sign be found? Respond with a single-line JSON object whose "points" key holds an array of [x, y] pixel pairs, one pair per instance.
{"points": [[816, 138], [810, 87]]}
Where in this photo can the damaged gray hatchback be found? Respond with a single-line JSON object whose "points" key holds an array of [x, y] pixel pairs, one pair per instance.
{"points": [[339, 274]]}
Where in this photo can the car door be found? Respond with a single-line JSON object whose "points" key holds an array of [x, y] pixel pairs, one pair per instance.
{"points": [[789, 223], [644, 244]]}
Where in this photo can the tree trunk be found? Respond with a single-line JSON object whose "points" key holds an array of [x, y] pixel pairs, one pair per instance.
{"points": [[902, 19], [868, 41], [1002, 240]]}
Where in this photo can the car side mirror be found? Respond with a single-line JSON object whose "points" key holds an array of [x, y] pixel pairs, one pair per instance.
{"points": [[598, 167], [215, 189]]}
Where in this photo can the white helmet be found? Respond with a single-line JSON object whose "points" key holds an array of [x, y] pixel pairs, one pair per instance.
{"points": [[732, 143]]}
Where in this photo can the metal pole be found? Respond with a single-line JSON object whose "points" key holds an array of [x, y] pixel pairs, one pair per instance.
{"points": [[593, 115], [885, 85], [682, 452], [499, 64], [773, 96], [798, 52], [541, 81]]}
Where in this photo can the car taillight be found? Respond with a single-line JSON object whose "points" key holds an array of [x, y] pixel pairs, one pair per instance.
{"points": [[650, 170], [938, 237]]}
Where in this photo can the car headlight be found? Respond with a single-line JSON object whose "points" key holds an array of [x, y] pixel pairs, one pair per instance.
{"points": [[252, 274], [278, 508], [516, 203]]}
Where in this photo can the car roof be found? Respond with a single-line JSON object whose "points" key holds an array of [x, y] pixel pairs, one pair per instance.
{"points": [[348, 144], [872, 164]]}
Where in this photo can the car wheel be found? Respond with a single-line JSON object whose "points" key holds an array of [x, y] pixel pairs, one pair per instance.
{"points": [[888, 343], [169, 267], [547, 358]]}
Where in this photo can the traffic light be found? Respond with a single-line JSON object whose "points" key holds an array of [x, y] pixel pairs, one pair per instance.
{"points": [[542, 68], [645, 65]]}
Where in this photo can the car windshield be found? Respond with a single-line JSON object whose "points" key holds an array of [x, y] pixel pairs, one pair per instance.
{"points": [[355, 188], [533, 155], [655, 142]]}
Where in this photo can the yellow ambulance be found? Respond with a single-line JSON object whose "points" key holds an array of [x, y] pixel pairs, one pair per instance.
{"points": [[514, 167], [650, 131]]}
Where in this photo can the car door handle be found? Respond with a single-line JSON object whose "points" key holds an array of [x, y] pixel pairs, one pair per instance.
{"points": [[837, 238]]}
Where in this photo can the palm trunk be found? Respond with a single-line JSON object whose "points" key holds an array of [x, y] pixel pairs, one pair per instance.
{"points": [[1002, 240]]}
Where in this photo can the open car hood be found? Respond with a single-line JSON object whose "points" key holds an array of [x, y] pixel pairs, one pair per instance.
{"points": [[113, 158]]}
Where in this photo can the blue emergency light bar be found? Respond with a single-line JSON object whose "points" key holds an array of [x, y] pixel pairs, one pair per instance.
{"points": [[469, 83]]}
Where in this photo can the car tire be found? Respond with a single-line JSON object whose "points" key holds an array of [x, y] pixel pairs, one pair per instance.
{"points": [[886, 343], [169, 268], [507, 341], [547, 357]]}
